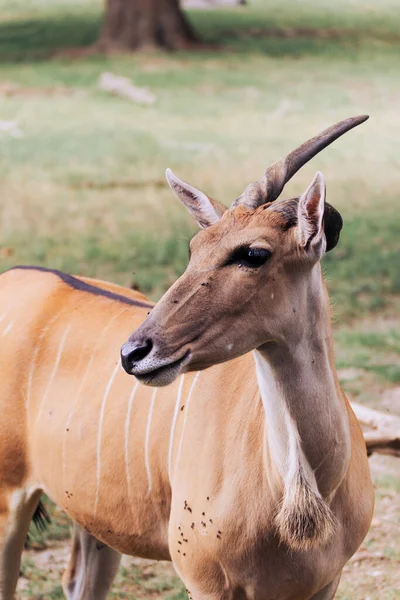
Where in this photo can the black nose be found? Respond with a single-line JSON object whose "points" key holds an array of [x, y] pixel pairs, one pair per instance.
{"points": [[134, 352]]}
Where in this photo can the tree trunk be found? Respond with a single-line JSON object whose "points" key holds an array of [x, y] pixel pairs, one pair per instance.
{"points": [[134, 24]]}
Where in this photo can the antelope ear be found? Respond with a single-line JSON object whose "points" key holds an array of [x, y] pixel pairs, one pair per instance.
{"points": [[310, 216], [205, 210], [333, 224]]}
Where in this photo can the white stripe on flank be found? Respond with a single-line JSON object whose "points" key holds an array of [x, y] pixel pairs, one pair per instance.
{"points": [[185, 416], [4, 316], [81, 386], [71, 412], [146, 447], [171, 437], [127, 423], [53, 373], [7, 329], [33, 365], [100, 431], [30, 378]]}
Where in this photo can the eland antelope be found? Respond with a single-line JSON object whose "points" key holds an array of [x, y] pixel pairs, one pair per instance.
{"points": [[232, 451]]}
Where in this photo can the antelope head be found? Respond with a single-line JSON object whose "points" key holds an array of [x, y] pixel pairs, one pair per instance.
{"points": [[249, 275]]}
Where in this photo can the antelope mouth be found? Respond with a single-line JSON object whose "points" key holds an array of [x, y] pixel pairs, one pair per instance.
{"points": [[164, 374]]}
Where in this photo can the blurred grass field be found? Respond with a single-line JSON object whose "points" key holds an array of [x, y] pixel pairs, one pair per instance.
{"points": [[85, 183], [82, 181]]}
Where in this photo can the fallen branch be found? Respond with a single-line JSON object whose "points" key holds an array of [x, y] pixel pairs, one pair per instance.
{"points": [[384, 444], [122, 86], [381, 431]]}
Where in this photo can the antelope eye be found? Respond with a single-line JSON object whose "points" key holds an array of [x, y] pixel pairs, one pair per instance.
{"points": [[250, 257]]}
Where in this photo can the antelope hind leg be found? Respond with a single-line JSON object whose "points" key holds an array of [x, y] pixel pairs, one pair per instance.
{"points": [[91, 569], [16, 511]]}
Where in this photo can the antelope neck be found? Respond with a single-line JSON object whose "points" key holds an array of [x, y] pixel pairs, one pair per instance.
{"points": [[305, 413]]}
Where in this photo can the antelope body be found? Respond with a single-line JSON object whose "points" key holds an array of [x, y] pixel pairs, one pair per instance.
{"points": [[252, 475]]}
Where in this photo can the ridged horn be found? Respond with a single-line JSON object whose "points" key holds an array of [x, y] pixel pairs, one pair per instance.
{"points": [[277, 175]]}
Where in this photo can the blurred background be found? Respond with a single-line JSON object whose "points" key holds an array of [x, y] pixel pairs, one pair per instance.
{"points": [[96, 101]]}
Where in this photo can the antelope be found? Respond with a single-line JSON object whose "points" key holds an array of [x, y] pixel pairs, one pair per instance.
{"points": [[232, 451]]}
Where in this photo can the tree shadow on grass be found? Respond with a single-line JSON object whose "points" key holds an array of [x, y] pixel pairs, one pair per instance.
{"points": [[41, 38], [242, 32]]}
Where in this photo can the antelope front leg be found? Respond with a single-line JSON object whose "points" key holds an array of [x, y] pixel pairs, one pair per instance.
{"points": [[91, 569], [16, 510]]}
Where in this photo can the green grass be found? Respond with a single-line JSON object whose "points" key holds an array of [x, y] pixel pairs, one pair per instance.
{"points": [[133, 577], [388, 482], [367, 356], [37, 584], [372, 351]]}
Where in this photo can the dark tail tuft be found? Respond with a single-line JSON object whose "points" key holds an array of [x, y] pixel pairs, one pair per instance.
{"points": [[41, 517]]}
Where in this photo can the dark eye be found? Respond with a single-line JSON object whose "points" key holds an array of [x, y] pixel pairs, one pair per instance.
{"points": [[250, 257]]}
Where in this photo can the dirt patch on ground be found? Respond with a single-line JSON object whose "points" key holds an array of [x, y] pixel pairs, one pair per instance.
{"points": [[9, 89], [374, 571]]}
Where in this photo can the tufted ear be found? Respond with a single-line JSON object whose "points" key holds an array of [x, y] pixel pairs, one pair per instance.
{"points": [[204, 209], [310, 216]]}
